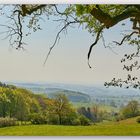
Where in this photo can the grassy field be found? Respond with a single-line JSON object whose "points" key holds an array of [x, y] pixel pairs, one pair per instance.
{"points": [[123, 128], [101, 107]]}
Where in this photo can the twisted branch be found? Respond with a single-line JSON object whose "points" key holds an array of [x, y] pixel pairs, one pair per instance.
{"points": [[95, 42], [125, 38]]}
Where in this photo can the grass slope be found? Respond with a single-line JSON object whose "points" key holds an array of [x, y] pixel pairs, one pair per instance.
{"points": [[127, 127]]}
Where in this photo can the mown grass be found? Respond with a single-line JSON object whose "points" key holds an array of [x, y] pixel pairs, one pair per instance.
{"points": [[123, 128]]}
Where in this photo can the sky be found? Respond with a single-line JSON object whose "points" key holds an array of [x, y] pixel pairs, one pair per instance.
{"points": [[68, 60]]}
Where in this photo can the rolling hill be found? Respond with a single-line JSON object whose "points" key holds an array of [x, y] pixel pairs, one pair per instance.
{"points": [[72, 95], [98, 94]]}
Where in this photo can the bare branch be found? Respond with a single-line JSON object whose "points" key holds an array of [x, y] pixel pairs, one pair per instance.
{"points": [[107, 46], [95, 42], [125, 38], [56, 9], [57, 38]]}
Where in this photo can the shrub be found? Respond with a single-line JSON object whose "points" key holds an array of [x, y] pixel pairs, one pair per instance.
{"points": [[4, 122], [138, 120], [70, 119], [76, 122], [84, 120], [38, 119], [53, 119]]}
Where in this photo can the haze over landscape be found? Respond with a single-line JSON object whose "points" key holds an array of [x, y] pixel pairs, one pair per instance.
{"points": [[68, 60]]}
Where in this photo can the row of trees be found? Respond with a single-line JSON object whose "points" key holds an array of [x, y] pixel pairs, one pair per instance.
{"points": [[25, 106], [38, 109], [95, 114]]}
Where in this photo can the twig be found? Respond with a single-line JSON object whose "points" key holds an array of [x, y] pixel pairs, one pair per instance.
{"points": [[107, 46], [57, 38]]}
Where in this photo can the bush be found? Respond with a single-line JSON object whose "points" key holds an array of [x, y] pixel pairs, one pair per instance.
{"points": [[70, 119], [4, 122], [53, 119], [76, 122], [84, 120], [38, 119], [138, 120]]}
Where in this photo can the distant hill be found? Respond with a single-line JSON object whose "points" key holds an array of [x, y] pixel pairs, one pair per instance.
{"points": [[72, 95], [51, 91], [94, 93]]}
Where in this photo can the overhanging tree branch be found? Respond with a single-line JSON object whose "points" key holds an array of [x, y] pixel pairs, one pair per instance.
{"points": [[126, 37], [26, 11], [109, 21], [95, 42], [57, 37]]}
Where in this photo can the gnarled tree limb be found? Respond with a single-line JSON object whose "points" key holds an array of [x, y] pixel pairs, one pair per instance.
{"points": [[25, 11], [109, 21], [95, 42]]}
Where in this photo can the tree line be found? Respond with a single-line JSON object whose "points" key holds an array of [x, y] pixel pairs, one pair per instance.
{"points": [[24, 106], [21, 105]]}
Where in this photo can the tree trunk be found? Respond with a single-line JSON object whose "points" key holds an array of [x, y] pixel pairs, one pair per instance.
{"points": [[60, 119]]}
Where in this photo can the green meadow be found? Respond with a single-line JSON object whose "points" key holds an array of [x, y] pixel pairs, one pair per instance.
{"points": [[127, 127]]}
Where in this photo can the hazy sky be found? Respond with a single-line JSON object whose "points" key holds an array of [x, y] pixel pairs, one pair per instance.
{"points": [[68, 60]]}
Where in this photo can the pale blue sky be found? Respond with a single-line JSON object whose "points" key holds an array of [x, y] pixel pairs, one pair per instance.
{"points": [[67, 62]]}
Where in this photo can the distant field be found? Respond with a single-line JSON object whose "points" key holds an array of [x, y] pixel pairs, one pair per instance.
{"points": [[101, 107], [123, 128]]}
